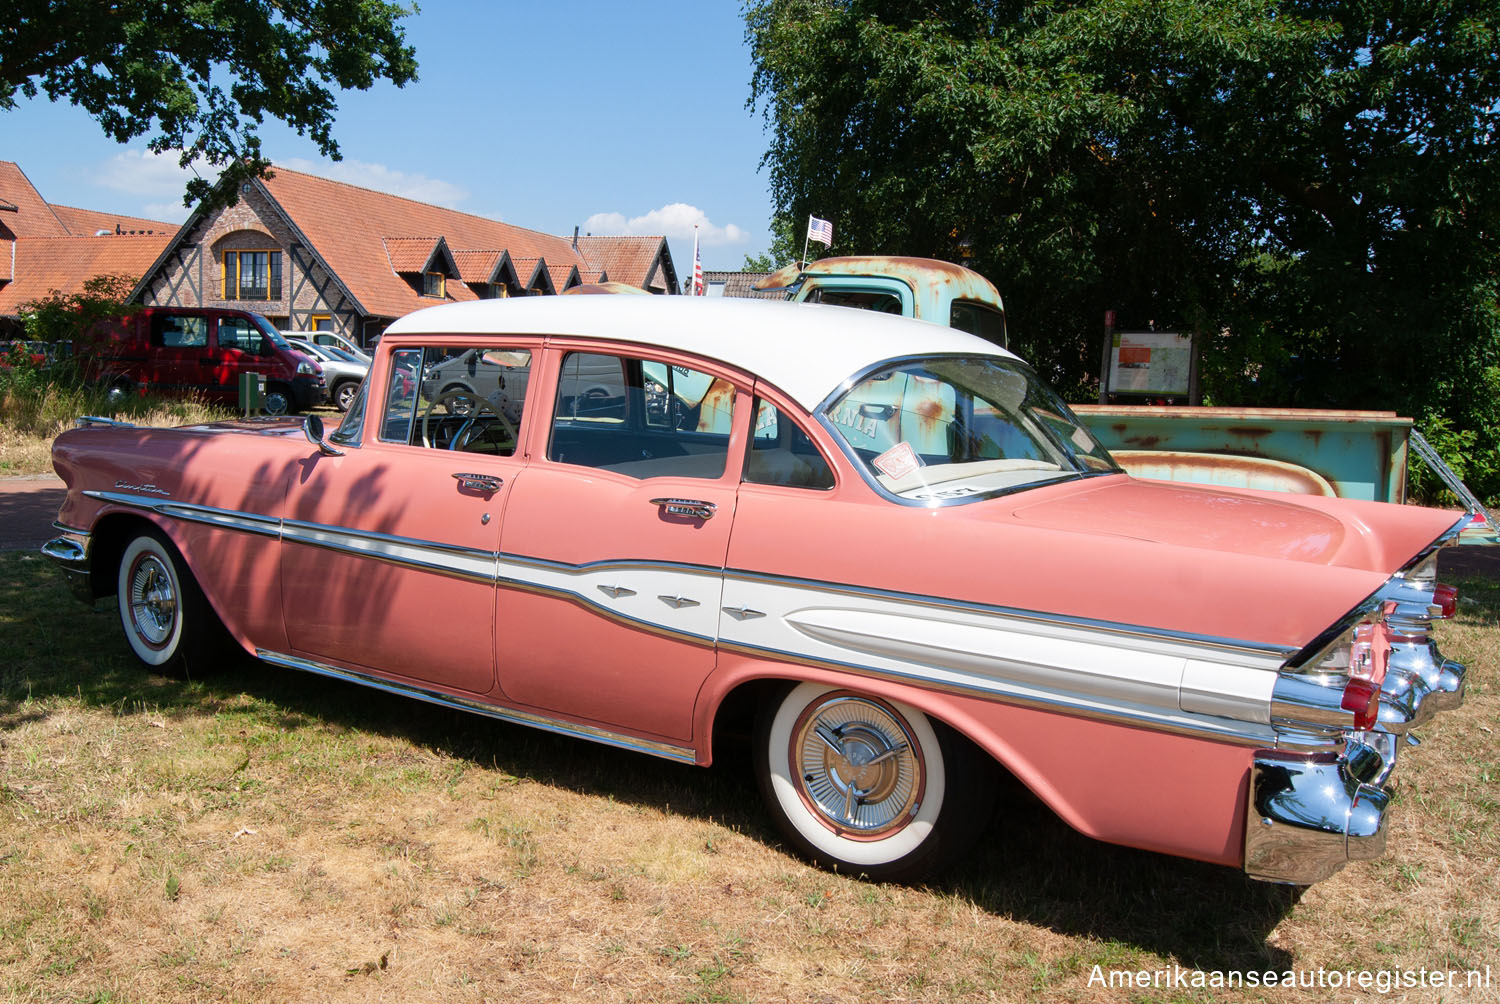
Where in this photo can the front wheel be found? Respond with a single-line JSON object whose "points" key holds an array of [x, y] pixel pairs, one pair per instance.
{"points": [[167, 620], [869, 786]]}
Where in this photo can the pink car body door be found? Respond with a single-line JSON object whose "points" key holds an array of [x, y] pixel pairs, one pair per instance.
{"points": [[389, 550], [613, 548]]}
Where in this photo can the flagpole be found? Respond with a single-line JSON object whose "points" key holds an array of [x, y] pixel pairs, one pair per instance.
{"points": [[697, 272], [806, 236]]}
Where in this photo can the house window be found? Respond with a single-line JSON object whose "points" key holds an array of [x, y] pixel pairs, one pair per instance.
{"points": [[433, 284], [252, 275], [320, 322]]}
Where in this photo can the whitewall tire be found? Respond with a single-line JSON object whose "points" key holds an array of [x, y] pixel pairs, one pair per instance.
{"points": [[867, 785], [167, 621]]}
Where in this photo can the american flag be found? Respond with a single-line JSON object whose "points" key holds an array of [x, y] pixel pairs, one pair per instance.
{"points": [[698, 288], [820, 231]]}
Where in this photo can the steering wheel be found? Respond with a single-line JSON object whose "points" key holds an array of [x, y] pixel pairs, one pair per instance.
{"points": [[469, 429]]}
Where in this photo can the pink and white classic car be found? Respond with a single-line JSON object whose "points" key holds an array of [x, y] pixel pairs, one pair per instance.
{"points": [[883, 544]]}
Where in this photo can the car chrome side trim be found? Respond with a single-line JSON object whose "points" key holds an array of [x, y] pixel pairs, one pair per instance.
{"points": [[1188, 638], [1225, 730], [680, 754], [1138, 676], [230, 519], [452, 560]]}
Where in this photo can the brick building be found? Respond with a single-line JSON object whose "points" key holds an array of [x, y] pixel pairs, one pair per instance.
{"points": [[310, 253]]}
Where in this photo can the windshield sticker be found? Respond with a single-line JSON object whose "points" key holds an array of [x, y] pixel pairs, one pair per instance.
{"points": [[897, 462]]}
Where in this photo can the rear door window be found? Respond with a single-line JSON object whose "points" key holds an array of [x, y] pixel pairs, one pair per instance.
{"points": [[180, 331], [641, 418]]}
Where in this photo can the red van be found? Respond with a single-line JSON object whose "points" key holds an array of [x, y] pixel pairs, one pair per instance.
{"points": [[199, 350]]}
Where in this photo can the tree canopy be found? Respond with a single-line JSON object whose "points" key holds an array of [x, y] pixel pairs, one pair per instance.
{"points": [[1311, 185], [201, 76]]}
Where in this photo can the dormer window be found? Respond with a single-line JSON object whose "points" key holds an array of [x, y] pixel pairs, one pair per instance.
{"points": [[434, 284]]}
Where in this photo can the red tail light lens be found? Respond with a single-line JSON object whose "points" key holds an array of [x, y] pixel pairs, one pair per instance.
{"points": [[1362, 697], [1445, 597]]}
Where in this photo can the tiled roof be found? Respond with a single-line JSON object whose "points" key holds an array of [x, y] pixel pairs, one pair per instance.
{"points": [[629, 260], [345, 225], [88, 222], [476, 266], [533, 273], [44, 264], [410, 254], [738, 285], [31, 216]]}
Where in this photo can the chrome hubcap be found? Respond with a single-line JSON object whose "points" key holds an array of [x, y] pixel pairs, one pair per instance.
{"points": [[153, 603], [858, 765]]}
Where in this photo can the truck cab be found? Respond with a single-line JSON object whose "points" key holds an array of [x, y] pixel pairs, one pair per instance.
{"points": [[924, 288]]}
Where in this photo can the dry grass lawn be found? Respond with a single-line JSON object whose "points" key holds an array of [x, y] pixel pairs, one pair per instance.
{"points": [[31, 416], [262, 835]]}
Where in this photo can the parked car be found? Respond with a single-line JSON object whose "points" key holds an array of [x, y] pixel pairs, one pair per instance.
{"points": [[203, 351], [341, 371], [331, 339], [883, 549]]}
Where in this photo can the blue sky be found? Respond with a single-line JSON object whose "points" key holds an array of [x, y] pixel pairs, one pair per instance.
{"points": [[618, 118]]}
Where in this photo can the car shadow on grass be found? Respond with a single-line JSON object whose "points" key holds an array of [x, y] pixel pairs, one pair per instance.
{"points": [[1029, 866]]}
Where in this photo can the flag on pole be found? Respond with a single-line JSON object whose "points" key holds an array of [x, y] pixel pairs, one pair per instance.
{"points": [[820, 231], [698, 289]]}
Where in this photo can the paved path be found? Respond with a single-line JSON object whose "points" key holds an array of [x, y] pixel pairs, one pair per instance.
{"points": [[28, 506]]}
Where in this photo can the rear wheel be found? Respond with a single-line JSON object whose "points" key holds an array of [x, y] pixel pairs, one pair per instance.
{"points": [[167, 620], [869, 786]]}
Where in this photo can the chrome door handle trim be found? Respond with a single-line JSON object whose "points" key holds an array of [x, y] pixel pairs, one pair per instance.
{"points": [[479, 482], [686, 507]]}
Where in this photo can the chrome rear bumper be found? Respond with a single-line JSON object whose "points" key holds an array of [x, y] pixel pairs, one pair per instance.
{"points": [[1307, 815]]}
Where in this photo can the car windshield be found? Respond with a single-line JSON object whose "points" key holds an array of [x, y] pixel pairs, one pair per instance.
{"points": [[957, 428], [269, 330]]}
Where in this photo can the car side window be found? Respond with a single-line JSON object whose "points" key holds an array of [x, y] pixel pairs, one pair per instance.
{"points": [[239, 333], [640, 417], [401, 396], [467, 399], [180, 331], [780, 453]]}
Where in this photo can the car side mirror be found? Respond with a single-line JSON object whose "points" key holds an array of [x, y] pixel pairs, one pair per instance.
{"points": [[312, 428]]}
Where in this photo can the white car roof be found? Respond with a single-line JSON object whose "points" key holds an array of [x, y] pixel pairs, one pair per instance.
{"points": [[805, 349]]}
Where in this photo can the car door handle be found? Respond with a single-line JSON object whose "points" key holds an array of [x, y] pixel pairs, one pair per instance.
{"points": [[686, 507], [479, 482]]}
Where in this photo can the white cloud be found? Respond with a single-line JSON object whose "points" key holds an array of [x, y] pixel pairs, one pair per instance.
{"points": [[380, 178], [156, 177], [673, 220], [167, 212], [149, 175]]}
